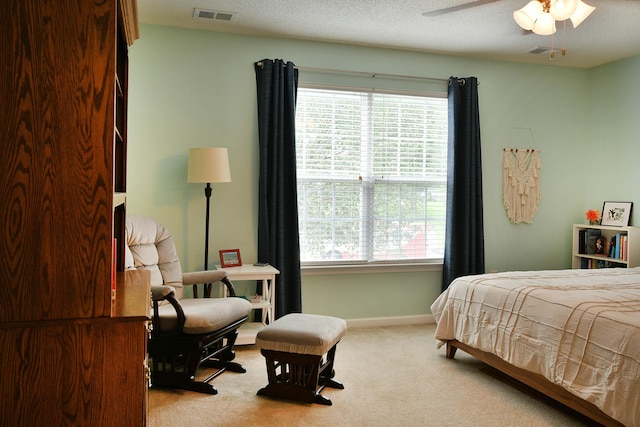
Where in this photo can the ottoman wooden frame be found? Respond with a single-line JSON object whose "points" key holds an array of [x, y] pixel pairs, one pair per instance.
{"points": [[299, 350]]}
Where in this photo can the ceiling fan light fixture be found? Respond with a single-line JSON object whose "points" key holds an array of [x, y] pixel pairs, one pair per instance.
{"points": [[562, 9], [527, 16], [583, 10], [545, 25], [540, 16]]}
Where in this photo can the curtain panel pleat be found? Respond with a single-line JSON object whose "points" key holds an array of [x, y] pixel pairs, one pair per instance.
{"points": [[278, 239], [464, 233]]}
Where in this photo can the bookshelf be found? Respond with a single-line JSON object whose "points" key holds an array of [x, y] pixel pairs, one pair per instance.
{"points": [[625, 252]]}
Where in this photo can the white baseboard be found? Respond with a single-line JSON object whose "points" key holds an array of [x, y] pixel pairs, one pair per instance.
{"points": [[390, 321]]}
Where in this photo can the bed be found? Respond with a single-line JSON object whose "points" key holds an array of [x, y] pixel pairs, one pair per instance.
{"points": [[571, 334]]}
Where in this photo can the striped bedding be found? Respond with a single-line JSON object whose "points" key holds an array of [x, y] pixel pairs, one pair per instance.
{"points": [[580, 329]]}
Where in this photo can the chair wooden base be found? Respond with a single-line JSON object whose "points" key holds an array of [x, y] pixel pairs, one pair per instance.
{"points": [[299, 377], [175, 360]]}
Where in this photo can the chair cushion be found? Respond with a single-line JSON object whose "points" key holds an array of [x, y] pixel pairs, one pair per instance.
{"points": [[151, 247], [302, 334], [205, 315]]}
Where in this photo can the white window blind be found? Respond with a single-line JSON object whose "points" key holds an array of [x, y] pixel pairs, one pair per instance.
{"points": [[371, 170]]}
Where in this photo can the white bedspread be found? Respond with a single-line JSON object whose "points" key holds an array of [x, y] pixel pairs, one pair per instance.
{"points": [[579, 329]]}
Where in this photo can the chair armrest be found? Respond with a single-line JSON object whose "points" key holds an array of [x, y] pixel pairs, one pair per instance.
{"points": [[231, 291], [207, 277], [161, 292]]}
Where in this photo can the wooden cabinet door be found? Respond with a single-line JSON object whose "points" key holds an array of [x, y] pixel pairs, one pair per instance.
{"points": [[56, 168], [89, 372]]}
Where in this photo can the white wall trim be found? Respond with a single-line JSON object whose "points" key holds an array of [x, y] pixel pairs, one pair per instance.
{"points": [[390, 321], [374, 267]]}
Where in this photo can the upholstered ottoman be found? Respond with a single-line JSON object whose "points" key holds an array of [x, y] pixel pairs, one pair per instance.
{"points": [[299, 350]]}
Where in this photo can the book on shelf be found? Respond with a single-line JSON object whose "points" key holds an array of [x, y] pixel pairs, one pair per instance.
{"points": [[113, 269], [611, 251], [591, 263], [586, 263], [592, 236], [618, 246], [582, 241]]}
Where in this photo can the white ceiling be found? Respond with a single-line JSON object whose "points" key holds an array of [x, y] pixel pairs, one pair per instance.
{"points": [[488, 31]]}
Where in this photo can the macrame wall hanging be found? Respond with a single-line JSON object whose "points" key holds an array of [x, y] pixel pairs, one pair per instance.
{"points": [[521, 183]]}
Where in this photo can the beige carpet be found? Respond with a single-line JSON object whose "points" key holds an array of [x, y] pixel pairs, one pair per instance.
{"points": [[393, 376]]}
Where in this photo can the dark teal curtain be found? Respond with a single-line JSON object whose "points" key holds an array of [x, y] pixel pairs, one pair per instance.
{"points": [[278, 241], [464, 234]]}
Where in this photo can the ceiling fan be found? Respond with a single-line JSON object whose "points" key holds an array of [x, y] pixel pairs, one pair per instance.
{"points": [[464, 6], [538, 16], [469, 5]]}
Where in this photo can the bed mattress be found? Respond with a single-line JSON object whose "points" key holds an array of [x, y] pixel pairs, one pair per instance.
{"points": [[580, 329]]}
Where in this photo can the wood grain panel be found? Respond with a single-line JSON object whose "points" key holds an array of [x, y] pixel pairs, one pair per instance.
{"points": [[74, 373], [57, 84]]}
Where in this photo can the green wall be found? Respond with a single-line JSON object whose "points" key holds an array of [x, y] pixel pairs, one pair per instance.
{"points": [[193, 88], [614, 135]]}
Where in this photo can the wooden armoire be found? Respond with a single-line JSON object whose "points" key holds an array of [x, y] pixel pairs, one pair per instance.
{"points": [[70, 353]]}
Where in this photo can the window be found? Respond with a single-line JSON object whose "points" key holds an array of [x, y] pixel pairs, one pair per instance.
{"points": [[371, 171]]}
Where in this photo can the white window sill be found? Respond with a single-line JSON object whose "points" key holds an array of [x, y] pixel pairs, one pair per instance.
{"points": [[372, 267]]}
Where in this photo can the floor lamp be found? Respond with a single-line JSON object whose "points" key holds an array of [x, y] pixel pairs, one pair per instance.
{"points": [[208, 165]]}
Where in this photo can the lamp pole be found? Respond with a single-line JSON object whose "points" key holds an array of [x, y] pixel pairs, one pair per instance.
{"points": [[207, 194]]}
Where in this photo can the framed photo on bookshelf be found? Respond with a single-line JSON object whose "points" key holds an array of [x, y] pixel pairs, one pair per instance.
{"points": [[616, 213], [230, 258]]}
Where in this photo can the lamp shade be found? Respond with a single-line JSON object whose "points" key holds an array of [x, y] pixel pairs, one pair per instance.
{"points": [[527, 16], [562, 9], [545, 25], [208, 165], [581, 13]]}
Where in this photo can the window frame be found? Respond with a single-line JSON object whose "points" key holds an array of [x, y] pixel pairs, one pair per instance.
{"points": [[322, 267]]}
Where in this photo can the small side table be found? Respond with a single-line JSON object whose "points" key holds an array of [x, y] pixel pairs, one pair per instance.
{"points": [[267, 274]]}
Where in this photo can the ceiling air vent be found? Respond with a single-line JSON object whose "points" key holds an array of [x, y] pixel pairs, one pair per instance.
{"points": [[215, 15], [541, 50]]}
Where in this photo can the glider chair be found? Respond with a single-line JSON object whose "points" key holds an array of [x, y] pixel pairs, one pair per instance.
{"points": [[187, 333]]}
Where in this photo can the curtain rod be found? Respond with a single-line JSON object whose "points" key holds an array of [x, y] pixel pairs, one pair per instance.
{"points": [[528, 150], [370, 74], [364, 73]]}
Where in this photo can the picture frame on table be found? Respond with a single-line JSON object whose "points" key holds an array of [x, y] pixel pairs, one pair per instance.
{"points": [[616, 214], [230, 258]]}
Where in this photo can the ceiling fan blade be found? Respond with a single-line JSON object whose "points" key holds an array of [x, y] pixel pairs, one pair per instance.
{"points": [[459, 7]]}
